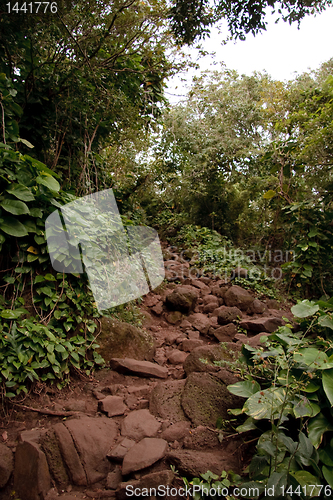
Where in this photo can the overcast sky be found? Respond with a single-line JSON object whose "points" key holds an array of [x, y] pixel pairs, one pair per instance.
{"points": [[283, 51]]}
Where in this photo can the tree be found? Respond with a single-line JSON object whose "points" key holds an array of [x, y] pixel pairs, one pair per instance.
{"points": [[193, 19], [85, 76]]}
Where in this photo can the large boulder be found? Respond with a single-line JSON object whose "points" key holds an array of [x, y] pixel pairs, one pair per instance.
{"points": [[202, 358], [32, 478], [165, 401], [227, 314], [206, 398], [93, 437], [239, 297], [182, 298], [122, 340]]}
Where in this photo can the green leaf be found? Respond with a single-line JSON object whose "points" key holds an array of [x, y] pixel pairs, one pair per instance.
{"points": [[304, 309], [326, 321], [307, 480], [10, 314], [269, 194], [316, 429], [328, 384], [244, 389], [49, 181], [313, 358], [328, 474], [21, 192], [13, 227], [14, 207], [270, 403], [26, 143]]}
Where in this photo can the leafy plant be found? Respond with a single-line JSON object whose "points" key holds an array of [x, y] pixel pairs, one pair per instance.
{"points": [[289, 398]]}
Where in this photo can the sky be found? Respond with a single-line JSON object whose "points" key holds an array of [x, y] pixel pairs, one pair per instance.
{"points": [[283, 51]]}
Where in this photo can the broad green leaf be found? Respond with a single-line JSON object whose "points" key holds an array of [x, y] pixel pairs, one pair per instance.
{"points": [[244, 389], [326, 321], [305, 408], [328, 474], [21, 192], [12, 226], [10, 314], [317, 427], [307, 480], [269, 194], [326, 456], [304, 309], [328, 384], [313, 358], [47, 180], [270, 403], [14, 207]]}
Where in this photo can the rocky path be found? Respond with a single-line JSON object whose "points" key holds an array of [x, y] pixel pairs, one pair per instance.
{"points": [[117, 434]]}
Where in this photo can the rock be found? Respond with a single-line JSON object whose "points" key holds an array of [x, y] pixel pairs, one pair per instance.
{"points": [[182, 298], [211, 353], [112, 405], [139, 368], [118, 452], [6, 464], [174, 317], [204, 289], [122, 340], [192, 463], [70, 455], [158, 309], [165, 401], [113, 479], [184, 325], [251, 341], [237, 296], [93, 437], [154, 480], [191, 344], [177, 431], [160, 356], [31, 473], [263, 324], [143, 454], [227, 314], [152, 299], [177, 357], [210, 303], [193, 335], [258, 307], [33, 435], [225, 333], [202, 438], [200, 322], [213, 321], [139, 424], [206, 398], [139, 390], [218, 292]]}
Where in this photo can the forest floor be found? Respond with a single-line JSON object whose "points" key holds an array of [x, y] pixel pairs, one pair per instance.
{"points": [[194, 445]]}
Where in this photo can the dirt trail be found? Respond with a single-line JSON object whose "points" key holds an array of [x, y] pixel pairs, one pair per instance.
{"points": [[165, 419]]}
